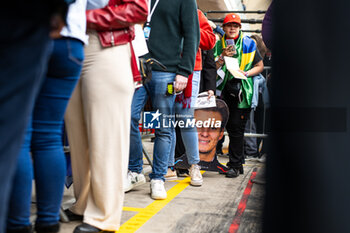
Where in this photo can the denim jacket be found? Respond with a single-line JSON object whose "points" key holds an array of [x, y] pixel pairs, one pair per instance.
{"points": [[260, 87]]}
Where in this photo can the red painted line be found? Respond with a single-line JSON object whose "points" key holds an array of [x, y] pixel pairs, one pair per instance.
{"points": [[242, 205]]}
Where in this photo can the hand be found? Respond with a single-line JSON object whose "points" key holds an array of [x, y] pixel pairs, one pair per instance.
{"points": [[56, 23], [210, 93], [212, 24], [228, 51], [180, 83], [244, 73]]}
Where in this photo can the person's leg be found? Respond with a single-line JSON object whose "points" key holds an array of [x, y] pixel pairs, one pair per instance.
{"points": [[24, 52], [190, 139], [171, 161], [235, 128], [165, 104], [190, 134], [250, 143], [136, 156], [47, 149], [20, 201], [196, 79], [171, 173], [134, 177], [108, 89], [78, 146], [191, 146], [179, 148]]}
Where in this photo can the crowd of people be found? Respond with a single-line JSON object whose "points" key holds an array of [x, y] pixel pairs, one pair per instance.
{"points": [[77, 63]]}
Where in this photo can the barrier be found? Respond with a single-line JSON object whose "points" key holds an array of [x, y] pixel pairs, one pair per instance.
{"points": [[247, 21]]}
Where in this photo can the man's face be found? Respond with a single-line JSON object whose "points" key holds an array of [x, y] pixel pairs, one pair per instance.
{"points": [[208, 137], [231, 30]]}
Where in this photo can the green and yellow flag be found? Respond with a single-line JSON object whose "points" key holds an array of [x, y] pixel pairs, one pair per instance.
{"points": [[245, 48]]}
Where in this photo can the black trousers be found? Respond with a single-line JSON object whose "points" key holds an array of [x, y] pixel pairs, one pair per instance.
{"points": [[235, 128]]}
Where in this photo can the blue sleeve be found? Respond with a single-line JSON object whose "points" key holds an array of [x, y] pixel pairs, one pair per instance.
{"points": [[96, 4], [219, 30]]}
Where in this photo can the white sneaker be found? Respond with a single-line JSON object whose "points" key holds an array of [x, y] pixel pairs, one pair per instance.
{"points": [[196, 176], [133, 179], [170, 175], [262, 159], [157, 190]]}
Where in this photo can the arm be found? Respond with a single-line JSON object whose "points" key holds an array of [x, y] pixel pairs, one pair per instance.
{"points": [[219, 30], [225, 52], [257, 69], [217, 50], [95, 4], [119, 16], [216, 28], [207, 37], [190, 31]]}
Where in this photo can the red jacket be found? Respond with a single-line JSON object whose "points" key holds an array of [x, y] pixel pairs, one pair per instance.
{"points": [[114, 23], [207, 41]]}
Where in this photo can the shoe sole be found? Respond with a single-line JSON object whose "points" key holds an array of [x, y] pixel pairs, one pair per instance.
{"points": [[158, 197], [171, 178], [141, 182], [251, 159], [196, 183]]}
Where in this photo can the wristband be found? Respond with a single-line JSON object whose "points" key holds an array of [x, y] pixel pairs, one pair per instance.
{"points": [[246, 74]]}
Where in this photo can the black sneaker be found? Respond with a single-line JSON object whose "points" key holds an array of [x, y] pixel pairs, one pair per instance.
{"points": [[72, 216], [183, 173], [43, 228], [26, 229], [232, 173]]}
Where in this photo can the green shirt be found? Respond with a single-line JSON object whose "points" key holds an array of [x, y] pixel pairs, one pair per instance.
{"points": [[174, 37]]}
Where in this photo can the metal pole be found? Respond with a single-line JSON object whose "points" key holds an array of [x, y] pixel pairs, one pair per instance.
{"points": [[238, 12], [251, 21], [252, 31], [147, 156]]}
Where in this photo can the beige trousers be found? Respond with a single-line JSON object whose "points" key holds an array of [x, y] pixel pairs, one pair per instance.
{"points": [[98, 128]]}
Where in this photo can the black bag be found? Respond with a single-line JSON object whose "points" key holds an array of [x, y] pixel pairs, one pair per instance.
{"points": [[233, 88], [146, 68]]}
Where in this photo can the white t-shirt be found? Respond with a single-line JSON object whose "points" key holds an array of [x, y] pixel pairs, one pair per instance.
{"points": [[76, 18]]}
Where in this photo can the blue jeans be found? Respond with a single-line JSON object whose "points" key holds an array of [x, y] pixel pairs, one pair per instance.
{"points": [[24, 52], [44, 139], [156, 89], [189, 135]]}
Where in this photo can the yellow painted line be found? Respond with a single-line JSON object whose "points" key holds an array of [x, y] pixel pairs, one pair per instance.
{"points": [[133, 209], [145, 214]]}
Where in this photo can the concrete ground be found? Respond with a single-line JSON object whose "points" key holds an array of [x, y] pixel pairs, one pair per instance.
{"points": [[209, 208]]}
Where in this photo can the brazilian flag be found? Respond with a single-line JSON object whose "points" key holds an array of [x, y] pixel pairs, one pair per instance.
{"points": [[246, 49]]}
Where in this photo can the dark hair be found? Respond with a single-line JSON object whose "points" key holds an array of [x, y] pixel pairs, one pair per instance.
{"points": [[222, 108], [260, 44]]}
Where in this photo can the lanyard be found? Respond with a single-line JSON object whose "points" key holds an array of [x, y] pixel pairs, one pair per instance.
{"points": [[151, 11]]}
